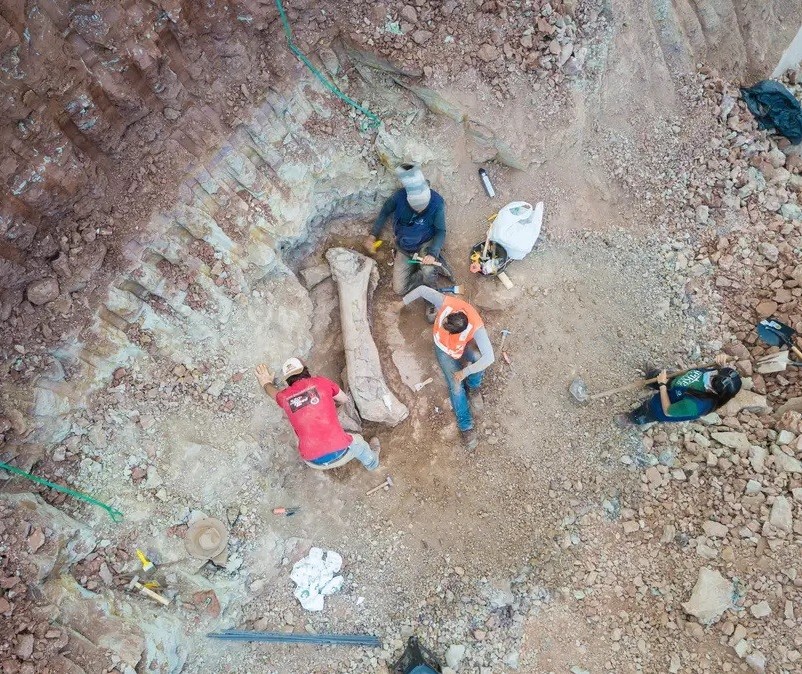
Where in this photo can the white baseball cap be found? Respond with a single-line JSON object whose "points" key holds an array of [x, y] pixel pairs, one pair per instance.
{"points": [[291, 367]]}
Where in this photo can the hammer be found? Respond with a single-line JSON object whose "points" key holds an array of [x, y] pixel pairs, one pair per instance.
{"points": [[504, 334], [135, 584], [384, 485]]}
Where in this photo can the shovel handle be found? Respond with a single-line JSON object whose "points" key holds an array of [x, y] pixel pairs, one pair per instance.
{"points": [[796, 352], [645, 382]]}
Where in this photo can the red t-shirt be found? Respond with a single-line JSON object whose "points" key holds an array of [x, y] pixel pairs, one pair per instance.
{"points": [[310, 407]]}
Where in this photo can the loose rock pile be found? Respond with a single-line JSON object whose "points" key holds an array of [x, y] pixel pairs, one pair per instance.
{"points": [[712, 540], [502, 40]]}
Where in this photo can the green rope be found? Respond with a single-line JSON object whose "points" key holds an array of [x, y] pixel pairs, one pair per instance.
{"points": [[374, 120], [115, 515]]}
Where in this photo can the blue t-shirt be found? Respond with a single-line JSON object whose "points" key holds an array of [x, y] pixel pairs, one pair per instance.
{"points": [[413, 229]]}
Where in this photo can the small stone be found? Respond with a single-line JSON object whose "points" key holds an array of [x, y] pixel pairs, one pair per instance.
{"points": [[487, 53], [776, 157], [105, 574], [761, 609], [711, 596], [756, 662], [654, 476], [631, 526], [766, 308], [314, 275], [454, 655], [785, 463], [702, 214], [25, 646], [781, 515], [421, 36], [732, 439], [769, 251], [714, 529], [409, 13], [757, 458], [43, 291], [172, 114], [753, 487], [36, 540], [785, 438]]}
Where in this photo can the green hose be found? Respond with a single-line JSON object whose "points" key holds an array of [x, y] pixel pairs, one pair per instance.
{"points": [[374, 120], [115, 515]]}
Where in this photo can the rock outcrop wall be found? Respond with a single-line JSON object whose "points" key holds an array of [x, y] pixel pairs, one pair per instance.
{"points": [[743, 40]]}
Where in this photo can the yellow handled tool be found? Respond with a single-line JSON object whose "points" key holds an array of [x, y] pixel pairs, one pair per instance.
{"points": [[147, 565]]}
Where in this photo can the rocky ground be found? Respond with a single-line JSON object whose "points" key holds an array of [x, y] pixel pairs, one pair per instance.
{"points": [[564, 544]]}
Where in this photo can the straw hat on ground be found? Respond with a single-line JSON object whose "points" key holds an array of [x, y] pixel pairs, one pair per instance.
{"points": [[207, 539]]}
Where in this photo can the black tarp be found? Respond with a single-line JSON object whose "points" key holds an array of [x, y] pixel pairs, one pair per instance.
{"points": [[775, 107]]}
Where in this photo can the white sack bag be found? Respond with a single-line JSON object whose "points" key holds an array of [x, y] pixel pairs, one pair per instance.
{"points": [[517, 227]]}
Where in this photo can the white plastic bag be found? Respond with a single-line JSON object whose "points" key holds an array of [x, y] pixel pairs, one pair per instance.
{"points": [[315, 577], [517, 227]]}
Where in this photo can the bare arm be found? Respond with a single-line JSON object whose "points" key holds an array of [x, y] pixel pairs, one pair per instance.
{"points": [[665, 401], [341, 397], [265, 378]]}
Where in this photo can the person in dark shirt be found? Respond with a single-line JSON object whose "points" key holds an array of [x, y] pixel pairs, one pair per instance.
{"points": [[419, 227], [688, 396]]}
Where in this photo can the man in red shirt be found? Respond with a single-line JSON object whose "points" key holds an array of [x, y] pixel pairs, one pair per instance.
{"points": [[309, 403]]}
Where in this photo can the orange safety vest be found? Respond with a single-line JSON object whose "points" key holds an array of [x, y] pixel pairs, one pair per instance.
{"points": [[454, 345]]}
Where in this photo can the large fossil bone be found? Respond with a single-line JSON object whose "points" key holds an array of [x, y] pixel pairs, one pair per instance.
{"points": [[373, 398]]}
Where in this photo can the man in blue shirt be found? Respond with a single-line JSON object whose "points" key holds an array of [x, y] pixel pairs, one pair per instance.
{"points": [[419, 227]]}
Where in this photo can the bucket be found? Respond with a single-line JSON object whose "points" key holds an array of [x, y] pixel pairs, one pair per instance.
{"points": [[496, 260]]}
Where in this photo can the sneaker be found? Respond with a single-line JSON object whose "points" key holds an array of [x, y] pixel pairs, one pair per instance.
{"points": [[469, 439], [476, 399]]}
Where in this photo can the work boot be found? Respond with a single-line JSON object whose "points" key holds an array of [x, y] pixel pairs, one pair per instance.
{"points": [[469, 439], [476, 399], [375, 445], [623, 421]]}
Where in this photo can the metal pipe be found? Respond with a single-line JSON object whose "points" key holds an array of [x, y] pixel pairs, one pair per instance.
{"points": [[295, 638]]}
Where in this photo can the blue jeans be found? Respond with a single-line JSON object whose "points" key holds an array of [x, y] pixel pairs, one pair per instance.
{"points": [[359, 449], [458, 392], [362, 452]]}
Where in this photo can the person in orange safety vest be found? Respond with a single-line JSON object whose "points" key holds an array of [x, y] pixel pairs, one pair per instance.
{"points": [[463, 350]]}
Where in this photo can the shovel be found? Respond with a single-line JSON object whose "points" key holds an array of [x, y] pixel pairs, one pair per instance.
{"points": [[774, 362], [579, 389], [774, 333]]}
